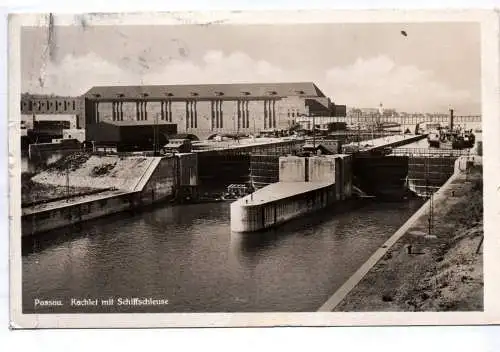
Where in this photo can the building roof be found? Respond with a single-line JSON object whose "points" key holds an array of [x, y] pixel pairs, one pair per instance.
{"points": [[151, 122], [206, 91], [47, 96]]}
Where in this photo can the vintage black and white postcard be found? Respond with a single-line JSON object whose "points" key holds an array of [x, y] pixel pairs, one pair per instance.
{"points": [[254, 168]]}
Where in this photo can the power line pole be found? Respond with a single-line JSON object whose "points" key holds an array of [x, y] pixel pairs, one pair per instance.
{"points": [[67, 183], [430, 196]]}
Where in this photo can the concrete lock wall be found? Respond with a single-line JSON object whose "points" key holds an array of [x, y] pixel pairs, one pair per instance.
{"points": [[219, 170], [188, 169], [338, 178], [159, 185], [248, 218], [264, 170], [346, 161], [433, 172], [381, 175], [292, 169], [75, 213], [321, 169], [162, 183]]}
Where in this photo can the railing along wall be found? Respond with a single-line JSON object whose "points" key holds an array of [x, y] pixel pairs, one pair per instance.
{"points": [[422, 152]]}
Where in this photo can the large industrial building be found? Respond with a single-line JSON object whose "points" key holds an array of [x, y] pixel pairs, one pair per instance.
{"points": [[205, 110], [48, 117], [57, 107]]}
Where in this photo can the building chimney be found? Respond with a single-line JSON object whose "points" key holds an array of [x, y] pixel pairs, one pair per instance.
{"points": [[451, 119]]}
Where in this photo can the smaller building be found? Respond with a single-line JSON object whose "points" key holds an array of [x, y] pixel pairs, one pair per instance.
{"points": [[317, 149], [130, 135], [78, 134], [321, 123], [44, 131], [43, 105], [178, 146]]}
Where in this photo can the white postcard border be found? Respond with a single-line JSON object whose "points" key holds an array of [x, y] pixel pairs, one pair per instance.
{"points": [[490, 51]]}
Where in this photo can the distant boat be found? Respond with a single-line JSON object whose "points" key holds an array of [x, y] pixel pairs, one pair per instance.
{"points": [[444, 138], [434, 138]]}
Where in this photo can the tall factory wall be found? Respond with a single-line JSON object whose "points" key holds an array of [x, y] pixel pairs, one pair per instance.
{"points": [[292, 169], [203, 117]]}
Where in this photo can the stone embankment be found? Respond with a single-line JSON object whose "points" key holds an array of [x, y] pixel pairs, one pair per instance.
{"points": [[440, 269]]}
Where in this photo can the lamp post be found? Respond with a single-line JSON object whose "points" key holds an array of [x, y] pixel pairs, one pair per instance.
{"points": [[314, 131], [155, 138]]}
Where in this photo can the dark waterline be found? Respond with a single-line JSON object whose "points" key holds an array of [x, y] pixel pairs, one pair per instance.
{"points": [[188, 255]]}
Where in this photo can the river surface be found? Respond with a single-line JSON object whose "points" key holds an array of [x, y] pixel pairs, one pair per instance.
{"points": [[188, 256]]}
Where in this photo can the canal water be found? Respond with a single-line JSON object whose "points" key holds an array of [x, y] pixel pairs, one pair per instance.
{"points": [[188, 256]]}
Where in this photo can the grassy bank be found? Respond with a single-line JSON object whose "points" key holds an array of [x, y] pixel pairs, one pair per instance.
{"points": [[33, 192], [440, 271]]}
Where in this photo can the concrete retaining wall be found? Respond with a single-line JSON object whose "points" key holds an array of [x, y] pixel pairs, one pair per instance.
{"points": [[158, 183], [255, 217], [162, 182], [188, 169], [461, 165], [427, 174], [292, 169], [321, 169], [221, 170], [382, 176], [346, 174], [264, 170], [74, 213], [333, 168]]}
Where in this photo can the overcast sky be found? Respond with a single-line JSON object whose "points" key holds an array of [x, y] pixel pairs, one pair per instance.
{"points": [[436, 65]]}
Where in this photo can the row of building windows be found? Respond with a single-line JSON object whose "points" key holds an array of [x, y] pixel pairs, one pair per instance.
{"points": [[269, 114], [166, 111], [243, 114], [57, 105], [141, 111], [95, 107], [117, 111], [191, 115], [293, 113], [217, 114]]}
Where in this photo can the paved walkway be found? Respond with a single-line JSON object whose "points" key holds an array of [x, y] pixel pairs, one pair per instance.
{"points": [[389, 140]]}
